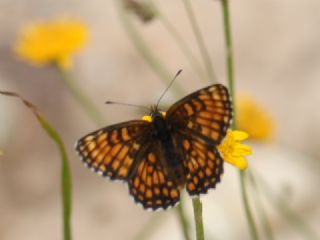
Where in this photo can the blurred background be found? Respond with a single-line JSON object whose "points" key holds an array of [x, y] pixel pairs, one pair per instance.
{"points": [[277, 59]]}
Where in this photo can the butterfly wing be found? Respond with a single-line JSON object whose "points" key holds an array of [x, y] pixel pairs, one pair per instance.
{"points": [[202, 163], [112, 151], [150, 184], [200, 122], [206, 113]]}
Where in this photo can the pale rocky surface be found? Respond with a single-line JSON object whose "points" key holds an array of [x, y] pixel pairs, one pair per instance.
{"points": [[277, 59]]}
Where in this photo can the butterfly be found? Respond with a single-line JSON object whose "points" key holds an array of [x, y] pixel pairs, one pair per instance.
{"points": [[175, 150]]}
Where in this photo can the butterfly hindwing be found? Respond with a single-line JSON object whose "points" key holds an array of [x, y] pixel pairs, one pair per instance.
{"points": [[112, 151], [150, 184], [206, 112], [203, 164]]}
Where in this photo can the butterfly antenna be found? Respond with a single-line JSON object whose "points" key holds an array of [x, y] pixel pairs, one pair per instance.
{"points": [[126, 104], [164, 92]]}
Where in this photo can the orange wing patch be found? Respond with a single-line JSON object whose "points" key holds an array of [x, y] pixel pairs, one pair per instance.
{"points": [[111, 151], [204, 166], [150, 186], [207, 112], [202, 163]]}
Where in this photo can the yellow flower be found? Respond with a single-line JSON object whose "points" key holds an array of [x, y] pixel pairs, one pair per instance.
{"points": [[253, 119], [233, 151], [51, 42]]}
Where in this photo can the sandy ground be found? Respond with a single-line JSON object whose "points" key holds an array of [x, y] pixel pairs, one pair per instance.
{"points": [[277, 59]]}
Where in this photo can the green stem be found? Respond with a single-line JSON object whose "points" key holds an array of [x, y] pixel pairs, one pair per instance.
{"points": [[65, 179], [183, 220], [262, 213], [230, 74], [197, 210], [229, 57], [65, 170], [180, 43], [244, 194], [146, 52], [202, 46], [83, 99]]}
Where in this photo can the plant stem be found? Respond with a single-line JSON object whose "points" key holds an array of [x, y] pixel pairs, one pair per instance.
{"points": [[263, 216], [244, 194], [230, 74], [197, 210], [229, 53], [181, 43], [65, 179], [183, 220], [202, 46], [66, 186], [146, 52], [83, 99]]}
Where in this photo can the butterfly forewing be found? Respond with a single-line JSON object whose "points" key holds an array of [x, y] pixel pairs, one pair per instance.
{"points": [[112, 151], [207, 112]]}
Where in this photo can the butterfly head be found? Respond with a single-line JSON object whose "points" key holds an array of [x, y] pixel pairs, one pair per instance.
{"points": [[155, 113]]}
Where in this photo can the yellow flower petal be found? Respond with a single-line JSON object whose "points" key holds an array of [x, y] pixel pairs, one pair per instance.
{"points": [[233, 151], [243, 149], [240, 135], [49, 42], [241, 163]]}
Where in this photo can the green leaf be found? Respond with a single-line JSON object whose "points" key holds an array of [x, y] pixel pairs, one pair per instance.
{"points": [[65, 170]]}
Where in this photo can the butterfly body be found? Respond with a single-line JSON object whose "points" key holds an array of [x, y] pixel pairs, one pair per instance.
{"points": [[158, 157], [171, 157]]}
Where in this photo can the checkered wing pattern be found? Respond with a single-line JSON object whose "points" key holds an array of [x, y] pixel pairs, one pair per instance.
{"points": [[112, 151], [201, 121], [150, 185], [206, 113], [137, 151], [203, 164]]}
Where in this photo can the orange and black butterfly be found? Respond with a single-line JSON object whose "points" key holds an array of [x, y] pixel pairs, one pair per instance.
{"points": [[172, 151]]}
